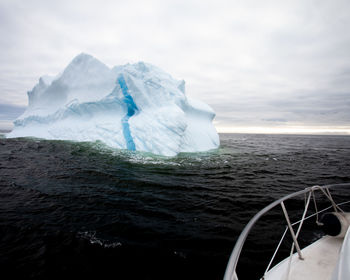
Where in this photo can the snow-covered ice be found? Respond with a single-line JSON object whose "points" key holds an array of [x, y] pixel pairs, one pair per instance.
{"points": [[134, 106]]}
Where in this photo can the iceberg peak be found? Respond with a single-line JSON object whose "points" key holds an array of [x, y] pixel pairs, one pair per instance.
{"points": [[83, 56], [83, 62], [134, 106], [84, 67]]}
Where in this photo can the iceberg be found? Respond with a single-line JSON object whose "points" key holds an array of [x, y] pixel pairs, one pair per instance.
{"points": [[138, 107]]}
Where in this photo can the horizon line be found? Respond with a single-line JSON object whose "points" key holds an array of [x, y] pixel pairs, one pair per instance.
{"points": [[296, 130]]}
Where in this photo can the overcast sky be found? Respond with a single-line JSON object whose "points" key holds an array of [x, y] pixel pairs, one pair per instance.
{"points": [[259, 64]]}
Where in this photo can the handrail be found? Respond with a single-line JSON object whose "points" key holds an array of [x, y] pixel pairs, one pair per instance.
{"points": [[230, 273], [295, 223]]}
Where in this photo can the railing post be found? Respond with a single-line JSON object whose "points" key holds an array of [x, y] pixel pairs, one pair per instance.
{"points": [[291, 231], [230, 272]]}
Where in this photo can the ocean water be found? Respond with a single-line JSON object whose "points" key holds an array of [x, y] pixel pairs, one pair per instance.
{"points": [[84, 210]]}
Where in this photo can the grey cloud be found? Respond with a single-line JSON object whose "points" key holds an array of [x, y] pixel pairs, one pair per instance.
{"points": [[307, 108], [254, 62], [10, 112], [274, 120]]}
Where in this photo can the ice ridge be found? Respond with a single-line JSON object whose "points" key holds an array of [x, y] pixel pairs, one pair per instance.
{"points": [[131, 110]]}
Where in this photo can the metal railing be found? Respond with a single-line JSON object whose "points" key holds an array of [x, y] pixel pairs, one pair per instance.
{"points": [[230, 273]]}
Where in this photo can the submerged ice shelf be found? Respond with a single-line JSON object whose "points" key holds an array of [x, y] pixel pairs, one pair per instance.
{"points": [[137, 107]]}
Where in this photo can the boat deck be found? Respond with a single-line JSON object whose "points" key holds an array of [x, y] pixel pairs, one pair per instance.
{"points": [[320, 259]]}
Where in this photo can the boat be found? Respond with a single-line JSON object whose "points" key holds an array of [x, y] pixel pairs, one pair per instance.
{"points": [[327, 258]]}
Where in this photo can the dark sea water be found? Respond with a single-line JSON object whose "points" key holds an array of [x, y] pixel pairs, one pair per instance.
{"points": [[83, 210]]}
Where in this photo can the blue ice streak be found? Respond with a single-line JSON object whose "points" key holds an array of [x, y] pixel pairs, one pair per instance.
{"points": [[132, 109]]}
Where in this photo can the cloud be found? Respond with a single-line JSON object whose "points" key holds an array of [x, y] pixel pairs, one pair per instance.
{"points": [[10, 112], [252, 61]]}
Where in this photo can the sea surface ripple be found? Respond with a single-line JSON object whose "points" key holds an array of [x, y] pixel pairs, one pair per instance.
{"points": [[83, 210]]}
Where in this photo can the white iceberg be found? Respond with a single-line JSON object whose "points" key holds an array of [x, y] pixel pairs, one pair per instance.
{"points": [[134, 106]]}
